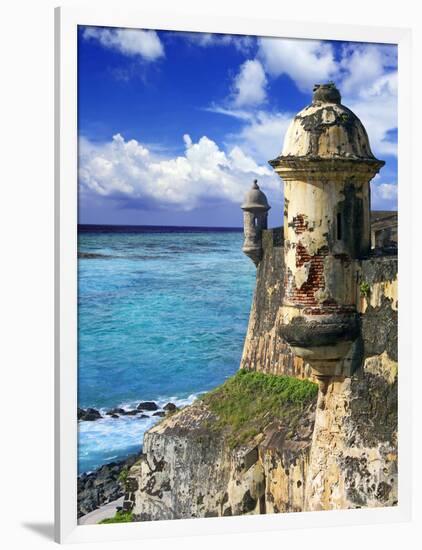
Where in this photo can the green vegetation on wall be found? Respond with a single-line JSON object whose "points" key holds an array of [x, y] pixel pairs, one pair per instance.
{"points": [[123, 475], [119, 517], [249, 401], [365, 289]]}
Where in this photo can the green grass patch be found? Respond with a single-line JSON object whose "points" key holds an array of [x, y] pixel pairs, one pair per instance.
{"points": [[365, 289], [124, 472], [249, 401], [119, 517]]}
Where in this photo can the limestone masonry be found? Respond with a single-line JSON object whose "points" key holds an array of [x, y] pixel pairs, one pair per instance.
{"points": [[325, 309]]}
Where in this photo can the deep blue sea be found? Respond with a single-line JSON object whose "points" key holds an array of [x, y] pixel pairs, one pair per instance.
{"points": [[162, 315]]}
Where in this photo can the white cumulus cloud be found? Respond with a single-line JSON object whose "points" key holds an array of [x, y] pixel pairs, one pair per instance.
{"points": [[262, 133], [362, 65], [305, 61], [206, 40], [125, 170], [384, 191], [249, 84], [262, 137], [374, 101], [366, 75], [130, 42]]}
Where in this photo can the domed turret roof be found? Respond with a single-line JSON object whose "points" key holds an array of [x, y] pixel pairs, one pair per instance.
{"points": [[255, 199], [326, 129]]}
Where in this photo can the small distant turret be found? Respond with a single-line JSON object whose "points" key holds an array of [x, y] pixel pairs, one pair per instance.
{"points": [[255, 215]]}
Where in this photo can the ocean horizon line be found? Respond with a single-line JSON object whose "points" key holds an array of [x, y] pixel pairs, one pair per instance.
{"points": [[173, 228]]}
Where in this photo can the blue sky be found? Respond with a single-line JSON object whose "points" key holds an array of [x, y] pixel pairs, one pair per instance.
{"points": [[174, 127]]}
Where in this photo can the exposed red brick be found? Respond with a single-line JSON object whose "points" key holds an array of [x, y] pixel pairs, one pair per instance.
{"points": [[305, 296], [299, 224]]}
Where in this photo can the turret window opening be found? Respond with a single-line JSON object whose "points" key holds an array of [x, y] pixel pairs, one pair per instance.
{"points": [[339, 226]]}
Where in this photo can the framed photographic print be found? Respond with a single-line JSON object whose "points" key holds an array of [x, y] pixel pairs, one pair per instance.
{"points": [[227, 236]]}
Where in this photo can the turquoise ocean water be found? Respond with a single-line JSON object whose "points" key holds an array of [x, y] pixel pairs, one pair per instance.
{"points": [[162, 315]]}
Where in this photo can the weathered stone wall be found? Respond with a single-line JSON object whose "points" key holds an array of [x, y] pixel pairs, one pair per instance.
{"points": [[184, 471], [353, 460], [379, 308], [343, 454], [189, 470], [264, 350]]}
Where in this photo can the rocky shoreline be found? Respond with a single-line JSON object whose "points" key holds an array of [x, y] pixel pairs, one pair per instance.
{"points": [[102, 486], [90, 414], [107, 483]]}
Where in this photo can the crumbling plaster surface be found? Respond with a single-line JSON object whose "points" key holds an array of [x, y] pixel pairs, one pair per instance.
{"points": [[328, 131], [320, 267], [189, 470], [353, 459], [380, 274], [184, 470]]}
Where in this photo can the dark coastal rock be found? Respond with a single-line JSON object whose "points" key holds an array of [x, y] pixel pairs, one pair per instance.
{"points": [[101, 486], [170, 407], [147, 406], [115, 410], [88, 414], [159, 413]]}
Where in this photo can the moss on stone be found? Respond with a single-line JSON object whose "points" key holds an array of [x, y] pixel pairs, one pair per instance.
{"points": [[123, 475], [119, 517], [250, 401], [365, 289]]}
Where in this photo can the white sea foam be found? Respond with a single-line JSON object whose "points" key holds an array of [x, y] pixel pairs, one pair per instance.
{"points": [[107, 439], [161, 402]]}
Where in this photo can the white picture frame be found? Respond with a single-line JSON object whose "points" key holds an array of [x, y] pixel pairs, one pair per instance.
{"points": [[66, 23]]}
